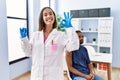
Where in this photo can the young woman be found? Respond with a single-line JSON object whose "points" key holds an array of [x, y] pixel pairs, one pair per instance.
{"points": [[47, 46]]}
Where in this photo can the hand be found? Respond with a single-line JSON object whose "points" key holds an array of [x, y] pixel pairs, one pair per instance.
{"points": [[67, 21], [23, 32], [89, 77], [92, 76]]}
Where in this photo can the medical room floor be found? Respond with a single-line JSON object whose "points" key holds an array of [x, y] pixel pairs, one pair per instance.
{"points": [[115, 75]]}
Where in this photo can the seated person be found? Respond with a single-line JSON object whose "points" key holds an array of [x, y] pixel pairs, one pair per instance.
{"points": [[79, 64]]}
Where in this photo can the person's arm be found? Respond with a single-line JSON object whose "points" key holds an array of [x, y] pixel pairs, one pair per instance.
{"points": [[26, 46], [72, 69], [73, 41], [90, 65]]}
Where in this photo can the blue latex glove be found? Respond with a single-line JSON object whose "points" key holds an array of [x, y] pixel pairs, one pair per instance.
{"points": [[67, 21], [23, 32]]}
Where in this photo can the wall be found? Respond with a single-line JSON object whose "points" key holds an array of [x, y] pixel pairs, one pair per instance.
{"points": [[34, 10], [8, 72], [19, 68], [25, 65], [4, 65], [67, 5]]}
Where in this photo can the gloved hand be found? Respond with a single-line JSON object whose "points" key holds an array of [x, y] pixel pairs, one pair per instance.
{"points": [[23, 32], [67, 21]]}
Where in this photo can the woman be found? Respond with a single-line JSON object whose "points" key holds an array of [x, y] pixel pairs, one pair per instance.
{"points": [[47, 45]]}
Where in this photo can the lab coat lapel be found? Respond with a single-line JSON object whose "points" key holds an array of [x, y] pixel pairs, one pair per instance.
{"points": [[51, 36], [41, 37]]}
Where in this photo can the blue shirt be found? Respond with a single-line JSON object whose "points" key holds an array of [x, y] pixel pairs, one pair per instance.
{"points": [[80, 59]]}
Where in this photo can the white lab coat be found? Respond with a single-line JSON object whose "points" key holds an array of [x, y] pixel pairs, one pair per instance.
{"points": [[47, 64]]}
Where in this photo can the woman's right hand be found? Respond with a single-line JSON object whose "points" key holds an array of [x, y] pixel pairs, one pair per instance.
{"points": [[23, 32]]}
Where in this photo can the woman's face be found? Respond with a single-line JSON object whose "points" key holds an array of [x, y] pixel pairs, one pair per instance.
{"points": [[48, 17]]}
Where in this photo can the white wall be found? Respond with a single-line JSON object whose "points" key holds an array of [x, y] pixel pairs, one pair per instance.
{"points": [[25, 65], [34, 10], [19, 68], [67, 5], [8, 72], [4, 65]]}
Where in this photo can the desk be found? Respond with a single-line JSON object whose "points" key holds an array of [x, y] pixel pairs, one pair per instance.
{"points": [[102, 58]]}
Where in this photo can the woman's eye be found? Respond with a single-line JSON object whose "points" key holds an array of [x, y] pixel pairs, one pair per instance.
{"points": [[45, 14], [50, 13]]}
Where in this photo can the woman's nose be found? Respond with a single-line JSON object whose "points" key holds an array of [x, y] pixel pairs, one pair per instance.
{"points": [[48, 16]]}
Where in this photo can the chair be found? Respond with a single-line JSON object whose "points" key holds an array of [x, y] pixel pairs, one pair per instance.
{"points": [[90, 49]]}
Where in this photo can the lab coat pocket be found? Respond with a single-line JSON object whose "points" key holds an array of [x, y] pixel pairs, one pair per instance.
{"points": [[54, 47]]}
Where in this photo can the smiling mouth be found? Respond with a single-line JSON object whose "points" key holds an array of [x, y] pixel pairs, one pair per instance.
{"points": [[49, 20]]}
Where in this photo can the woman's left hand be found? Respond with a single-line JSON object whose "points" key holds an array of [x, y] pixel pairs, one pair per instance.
{"points": [[67, 21]]}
